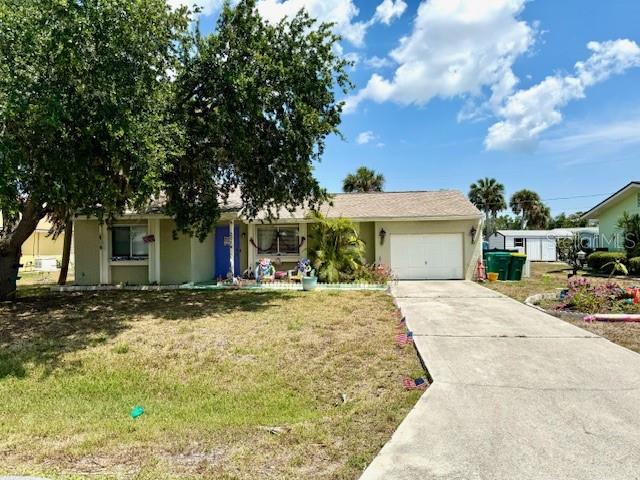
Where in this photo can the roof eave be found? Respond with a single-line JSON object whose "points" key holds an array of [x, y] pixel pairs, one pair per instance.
{"points": [[591, 214]]}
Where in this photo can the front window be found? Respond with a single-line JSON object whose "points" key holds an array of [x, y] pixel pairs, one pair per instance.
{"points": [[278, 240], [127, 243], [518, 242]]}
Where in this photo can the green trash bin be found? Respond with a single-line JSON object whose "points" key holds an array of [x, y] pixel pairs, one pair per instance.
{"points": [[489, 263], [498, 262], [516, 266]]}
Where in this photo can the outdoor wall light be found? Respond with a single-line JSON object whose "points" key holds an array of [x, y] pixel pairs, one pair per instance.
{"points": [[382, 234], [473, 232]]}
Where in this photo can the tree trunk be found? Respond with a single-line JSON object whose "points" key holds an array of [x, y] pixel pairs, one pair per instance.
{"points": [[66, 252], [11, 240], [9, 260]]}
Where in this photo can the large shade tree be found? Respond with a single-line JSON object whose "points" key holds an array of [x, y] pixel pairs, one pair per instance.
{"points": [[363, 180], [83, 86], [527, 203], [106, 103], [256, 102], [488, 195]]}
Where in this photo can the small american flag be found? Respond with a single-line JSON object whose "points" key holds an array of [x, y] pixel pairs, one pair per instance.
{"points": [[149, 238], [414, 384], [404, 338]]}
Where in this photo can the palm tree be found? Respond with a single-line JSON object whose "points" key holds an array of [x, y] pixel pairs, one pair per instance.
{"points": [[338, 252], [528, 204], [488, 195], [363, 181]]}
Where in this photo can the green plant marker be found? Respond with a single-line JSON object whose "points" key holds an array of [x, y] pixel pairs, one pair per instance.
{"points": [[136, 411]]}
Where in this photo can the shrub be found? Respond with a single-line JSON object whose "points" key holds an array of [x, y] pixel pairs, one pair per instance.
{"points": [[634, 265], [597, 260], [630, 224], [375, 274]]}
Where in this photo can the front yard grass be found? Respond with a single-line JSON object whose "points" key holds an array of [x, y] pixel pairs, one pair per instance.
{"points": [[548, 277], [235, 384]]}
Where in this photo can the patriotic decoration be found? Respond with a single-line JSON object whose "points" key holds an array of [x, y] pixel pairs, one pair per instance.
{"points": [[149, 238], [414, 383], [404, 338]]}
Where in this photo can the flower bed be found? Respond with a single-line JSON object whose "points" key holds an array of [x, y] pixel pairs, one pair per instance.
{"points": [[584, 296]]}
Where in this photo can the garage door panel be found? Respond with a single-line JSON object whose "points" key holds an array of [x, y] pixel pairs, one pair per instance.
{"points": [[427, 256]]}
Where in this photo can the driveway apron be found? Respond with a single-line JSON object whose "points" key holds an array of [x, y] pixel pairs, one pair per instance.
{"points": [[517, 394]]}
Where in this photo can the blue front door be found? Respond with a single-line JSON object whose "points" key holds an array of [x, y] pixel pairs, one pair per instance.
{"points": [[222, 258]]}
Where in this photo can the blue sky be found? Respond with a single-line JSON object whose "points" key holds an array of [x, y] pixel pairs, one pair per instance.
{"points": [[486, 88]]}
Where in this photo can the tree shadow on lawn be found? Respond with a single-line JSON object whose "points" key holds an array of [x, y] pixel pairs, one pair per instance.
{"points": [[39, 329]]}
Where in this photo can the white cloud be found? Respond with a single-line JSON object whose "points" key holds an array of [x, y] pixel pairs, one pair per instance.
{"points": [[614, 134], [456, 48], [390, 9], [378, 62], [340, 12], [528, 113], [365, 137], [207, 6]]}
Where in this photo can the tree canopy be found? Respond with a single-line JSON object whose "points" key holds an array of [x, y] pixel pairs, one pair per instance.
{"points": [[573, 220], [256, 103], [82, 96], [363, 180], [535, 214], [106, 103]]}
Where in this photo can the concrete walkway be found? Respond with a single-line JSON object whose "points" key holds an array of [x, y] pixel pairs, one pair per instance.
{"points": [[517, 394]]}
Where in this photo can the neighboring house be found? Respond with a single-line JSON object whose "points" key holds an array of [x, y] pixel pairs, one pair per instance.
{"points": [[540, 245], [41, 251], [609, 211], [420, 235]]}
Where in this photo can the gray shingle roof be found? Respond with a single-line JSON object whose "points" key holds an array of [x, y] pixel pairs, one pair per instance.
{"points": [[438, 203], [414, 204]]}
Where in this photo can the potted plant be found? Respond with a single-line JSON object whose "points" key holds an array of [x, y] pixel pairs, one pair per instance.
{"points": [[309, 279]]}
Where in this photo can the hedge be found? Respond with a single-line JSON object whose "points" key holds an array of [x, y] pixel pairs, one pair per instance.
{"points": [[634, 265], [597, 260]]}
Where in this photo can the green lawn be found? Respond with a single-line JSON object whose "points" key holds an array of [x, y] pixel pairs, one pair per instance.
{"points": [[215, 371]]}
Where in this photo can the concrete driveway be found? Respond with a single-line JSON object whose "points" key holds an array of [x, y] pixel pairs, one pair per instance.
{"points": [[517, 394]]}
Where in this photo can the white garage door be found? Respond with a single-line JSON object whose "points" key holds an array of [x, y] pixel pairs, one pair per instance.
{"points": [[432, 256]]}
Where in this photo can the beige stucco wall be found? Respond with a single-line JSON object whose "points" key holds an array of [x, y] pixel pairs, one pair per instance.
{"points": [[87, 252], [366, 231], [175, 255], [186, 259], [202, 259], [609, 217], [131, 274], [40, 244], [472, 251]]}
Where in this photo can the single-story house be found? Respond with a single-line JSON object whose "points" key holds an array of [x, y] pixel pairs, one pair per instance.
{"points": [[608, 212], [540, 245], [420, 235]]}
